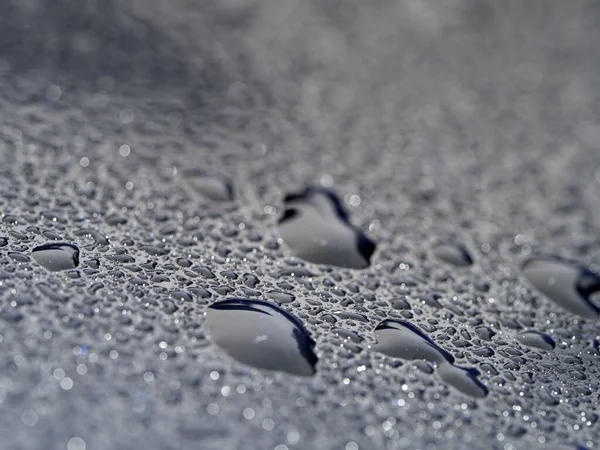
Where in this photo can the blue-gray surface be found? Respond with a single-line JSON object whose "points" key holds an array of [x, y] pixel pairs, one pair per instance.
{"points": [[449, 130]]}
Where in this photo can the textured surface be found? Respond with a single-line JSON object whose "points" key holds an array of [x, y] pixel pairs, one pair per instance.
{"points": [[472, 123]]}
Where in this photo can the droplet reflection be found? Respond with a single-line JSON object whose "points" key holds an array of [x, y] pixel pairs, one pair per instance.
{"points": [[401, 339], [262, 335]]}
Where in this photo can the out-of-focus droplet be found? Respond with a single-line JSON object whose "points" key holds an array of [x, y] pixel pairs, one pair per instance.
{"points": [[212, 186], [528, 76], [453, 254], [566, 284]]}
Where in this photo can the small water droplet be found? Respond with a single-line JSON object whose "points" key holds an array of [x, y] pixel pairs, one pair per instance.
{"points": [[536, 340], [19, 257], [401, 339], [281, 297], [566, 284], [57, 256], [317, 229], [453, 254], [262, 335]]}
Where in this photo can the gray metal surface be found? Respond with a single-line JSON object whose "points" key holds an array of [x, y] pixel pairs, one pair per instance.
{"points": [[468, 123]]}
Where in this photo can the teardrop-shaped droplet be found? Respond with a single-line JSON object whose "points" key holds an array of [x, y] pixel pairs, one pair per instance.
{"points": [[210, 185], [262, 335], [566, 284], [453, 254], [56, 257], [401, 339], [281, 297], [317, 229], [463, 379], [536, 340]]}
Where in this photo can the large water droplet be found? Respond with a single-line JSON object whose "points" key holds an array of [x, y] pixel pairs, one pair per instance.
{"points": [[55, 257], [453, 254], [400, 339], [566, 284], [536, 340], [262, 335], [317, 229]]}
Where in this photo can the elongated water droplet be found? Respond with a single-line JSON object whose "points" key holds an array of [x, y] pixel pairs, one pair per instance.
{"points": [[401, 339], [56, 257], [262, 335], [566, 284], [453, 254], [536, 340], [212, 186], [281, 297], [317, 229]]}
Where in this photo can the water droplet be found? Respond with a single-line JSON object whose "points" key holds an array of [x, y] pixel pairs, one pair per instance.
{"points": [[212, 186], [536, 340], [98, 238], [566, 284], [453, 254], [317, 229], [115, 219], [485, 333], [281, 297], [400, 339], [19, 257], [55, 257], [262, 335]]}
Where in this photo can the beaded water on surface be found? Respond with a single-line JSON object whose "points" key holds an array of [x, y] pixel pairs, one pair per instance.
{"points": [[297, 225]]}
